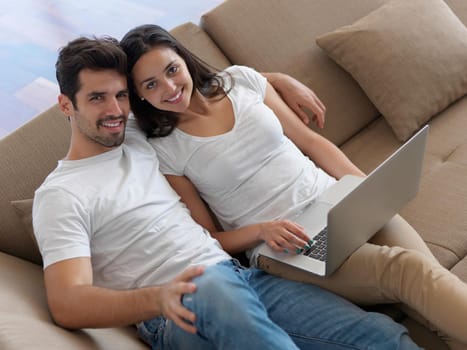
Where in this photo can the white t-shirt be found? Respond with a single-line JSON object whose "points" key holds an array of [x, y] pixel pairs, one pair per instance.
{"points": [[119, 210], [251, 174]]}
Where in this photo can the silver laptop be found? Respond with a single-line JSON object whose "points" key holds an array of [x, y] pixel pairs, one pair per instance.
{"points": [[351, 211]]}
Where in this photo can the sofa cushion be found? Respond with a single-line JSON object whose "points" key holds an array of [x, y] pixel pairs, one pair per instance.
{"points": [[410, 57], [195, 39], [438, 211], [28, 155]]}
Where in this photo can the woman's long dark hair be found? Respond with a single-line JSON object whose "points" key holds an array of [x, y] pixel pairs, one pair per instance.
{"points": [[140, 40]]}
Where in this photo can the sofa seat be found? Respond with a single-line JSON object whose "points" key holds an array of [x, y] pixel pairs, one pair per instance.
{"points": [[442, 198], [25, 322]]}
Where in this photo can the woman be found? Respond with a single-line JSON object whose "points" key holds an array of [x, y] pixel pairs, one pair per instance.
{"points": [[227, 138]]}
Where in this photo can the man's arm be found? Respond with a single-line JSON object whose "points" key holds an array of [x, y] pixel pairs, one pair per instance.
{"points": [[75, 303], [298, 97]]}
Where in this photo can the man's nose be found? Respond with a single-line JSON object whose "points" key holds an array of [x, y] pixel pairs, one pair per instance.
{"points": [[114, 107]]}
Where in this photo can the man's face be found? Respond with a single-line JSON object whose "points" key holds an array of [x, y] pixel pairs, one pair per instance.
{"points": [[102, 108]]}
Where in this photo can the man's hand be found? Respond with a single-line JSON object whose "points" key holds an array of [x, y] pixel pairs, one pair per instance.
{"points": [[298, 97], [171, 299]]}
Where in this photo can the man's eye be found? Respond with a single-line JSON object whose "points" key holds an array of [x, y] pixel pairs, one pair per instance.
{"points": [[122, 95], [95, 98]]}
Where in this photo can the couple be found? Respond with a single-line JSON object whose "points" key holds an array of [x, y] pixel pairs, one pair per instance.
{"points": [[119, 248]]}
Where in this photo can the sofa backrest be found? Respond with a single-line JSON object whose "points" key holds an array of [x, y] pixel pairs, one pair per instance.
{"points": [[279, 35], [275, 35], [27, 157], [195, 39]]}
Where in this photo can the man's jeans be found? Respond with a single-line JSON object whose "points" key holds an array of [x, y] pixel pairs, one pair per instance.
{"points": [[239, 308]]}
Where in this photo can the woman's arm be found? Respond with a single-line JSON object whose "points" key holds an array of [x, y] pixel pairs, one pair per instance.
{"points": [[323, 152], [280, 235]]}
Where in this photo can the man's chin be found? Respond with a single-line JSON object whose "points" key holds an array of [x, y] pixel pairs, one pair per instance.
{"points": [[118, 142], [111, 142]]}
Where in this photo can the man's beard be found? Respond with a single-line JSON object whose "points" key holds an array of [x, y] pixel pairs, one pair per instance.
{"points": [[112, 140], [109, 141]]}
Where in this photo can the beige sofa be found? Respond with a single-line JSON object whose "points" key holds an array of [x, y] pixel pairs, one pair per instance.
{"points": [[269, 35]]}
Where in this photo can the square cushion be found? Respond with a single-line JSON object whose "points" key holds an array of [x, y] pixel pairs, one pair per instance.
{"points": [[410, 57]]}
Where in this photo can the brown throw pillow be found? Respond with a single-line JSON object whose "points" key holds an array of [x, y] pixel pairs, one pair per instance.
{"points": [[409, 56]]}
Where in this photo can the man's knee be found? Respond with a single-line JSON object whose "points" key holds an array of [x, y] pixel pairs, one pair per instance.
{"points": [[217, 288], [393, 335]]}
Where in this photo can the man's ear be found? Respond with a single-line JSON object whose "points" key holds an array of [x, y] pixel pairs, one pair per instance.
{"points": [[65, 104]]}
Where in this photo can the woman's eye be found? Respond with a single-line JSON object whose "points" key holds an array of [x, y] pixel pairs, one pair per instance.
{"points": [[173, 69], [151, 85]]}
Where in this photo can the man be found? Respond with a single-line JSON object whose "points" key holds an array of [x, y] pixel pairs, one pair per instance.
{"points": [[119, 248]]}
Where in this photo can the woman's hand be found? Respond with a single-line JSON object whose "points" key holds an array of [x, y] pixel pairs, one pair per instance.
{"points": [[171, 299], [284, 236]]}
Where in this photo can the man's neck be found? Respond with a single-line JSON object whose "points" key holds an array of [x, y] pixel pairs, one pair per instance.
{"points": [[77, 152]]}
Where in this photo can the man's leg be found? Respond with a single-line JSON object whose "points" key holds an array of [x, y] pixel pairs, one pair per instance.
{"points": [[315, 318], [229, 316], [381, 274]]}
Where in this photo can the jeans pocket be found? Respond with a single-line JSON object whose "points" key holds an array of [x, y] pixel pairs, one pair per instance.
{"points": [[151, 332]]}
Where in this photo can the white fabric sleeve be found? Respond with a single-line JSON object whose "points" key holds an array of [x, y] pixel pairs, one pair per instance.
{"points": [[167, 159], [249, 78], [61, 226]]}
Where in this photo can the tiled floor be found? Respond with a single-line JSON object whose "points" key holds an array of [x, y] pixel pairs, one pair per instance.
{"points": [[31, 31]]}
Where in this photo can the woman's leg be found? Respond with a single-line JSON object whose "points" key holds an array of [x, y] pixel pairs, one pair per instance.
{"points": [[381, 274], [399, 233], [355, 279]]}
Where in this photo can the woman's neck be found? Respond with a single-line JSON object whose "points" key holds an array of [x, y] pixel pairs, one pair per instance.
{"points": [[207, 116], [200, 106]]}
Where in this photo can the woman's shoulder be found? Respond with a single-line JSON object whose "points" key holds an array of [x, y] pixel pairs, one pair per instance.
{"points": [[245, 76], [240, 71]]}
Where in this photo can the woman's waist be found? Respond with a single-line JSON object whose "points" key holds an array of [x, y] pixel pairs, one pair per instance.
{"points": [[270, 203]]}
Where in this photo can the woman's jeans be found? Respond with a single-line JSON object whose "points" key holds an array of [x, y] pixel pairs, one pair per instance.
{"points": [[240, 308]]}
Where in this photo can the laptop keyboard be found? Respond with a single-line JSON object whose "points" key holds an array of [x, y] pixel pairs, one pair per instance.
{"points": [[319, 247]]}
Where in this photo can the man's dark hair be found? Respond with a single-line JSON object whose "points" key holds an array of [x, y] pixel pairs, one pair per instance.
{"points": [[87, 53]]}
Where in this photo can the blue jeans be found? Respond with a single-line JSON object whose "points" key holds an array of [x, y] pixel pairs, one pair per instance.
{"points": [[240, 308]]}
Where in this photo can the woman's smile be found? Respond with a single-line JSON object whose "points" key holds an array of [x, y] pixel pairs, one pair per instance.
{"points": [[176, 98]]}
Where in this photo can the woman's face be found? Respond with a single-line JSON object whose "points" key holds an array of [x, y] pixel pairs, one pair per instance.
{"points": [[162, 78]]}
